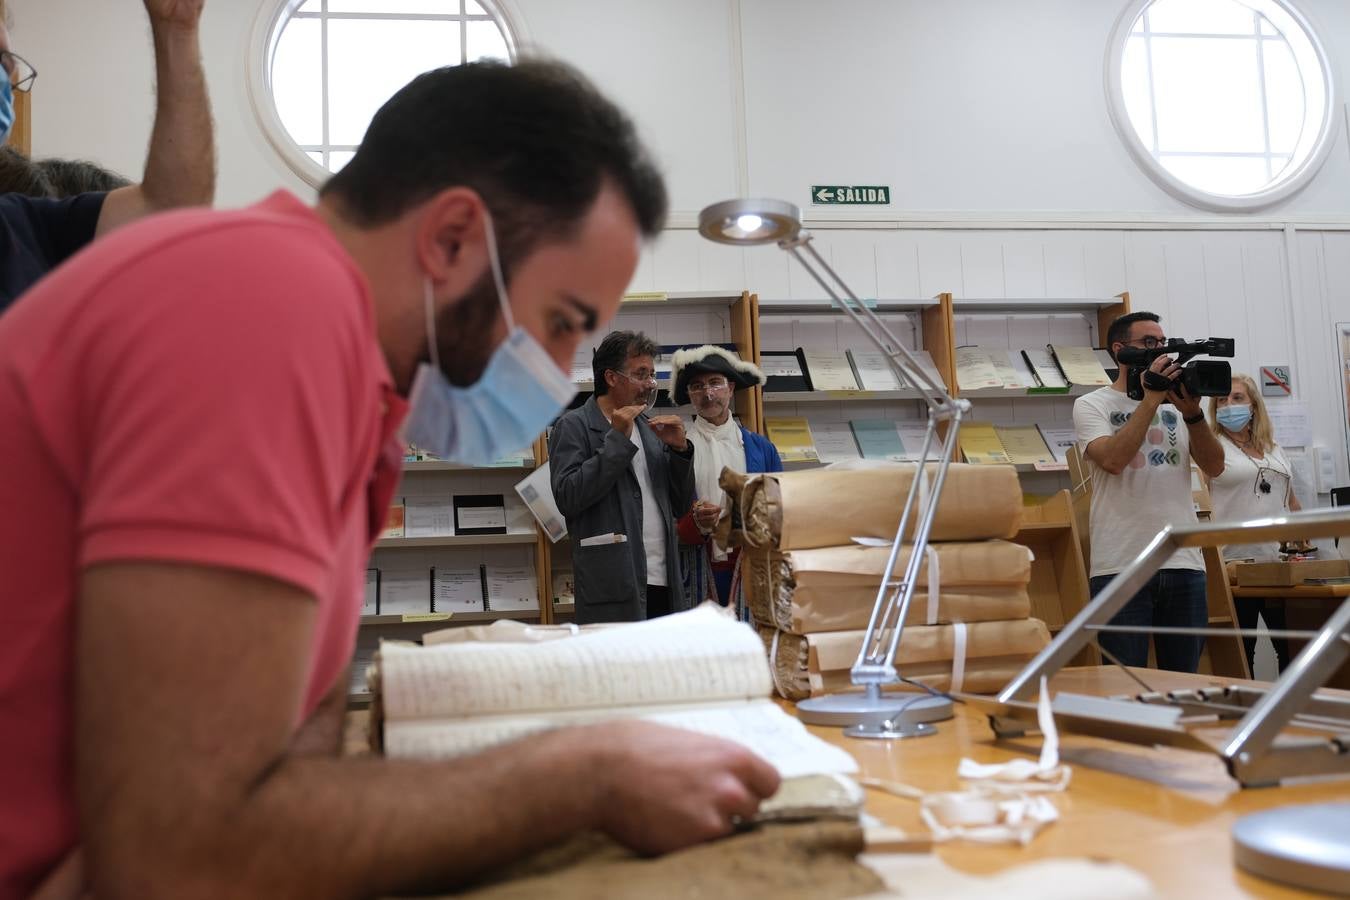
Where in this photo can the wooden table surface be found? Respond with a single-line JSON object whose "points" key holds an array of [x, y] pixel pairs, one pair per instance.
{"points": [[1164, 812]]}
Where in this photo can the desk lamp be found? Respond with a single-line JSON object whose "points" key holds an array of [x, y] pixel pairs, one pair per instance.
{"points": [[869, 714]]}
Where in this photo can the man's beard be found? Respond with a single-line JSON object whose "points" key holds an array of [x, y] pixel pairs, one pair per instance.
{"points": [[464, 331]]}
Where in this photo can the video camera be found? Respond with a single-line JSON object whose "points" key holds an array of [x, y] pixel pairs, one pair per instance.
{"points": [[1202, 378]]}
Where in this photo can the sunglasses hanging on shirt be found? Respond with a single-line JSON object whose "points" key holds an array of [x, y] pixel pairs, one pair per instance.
{"points": [[1262, 484]]}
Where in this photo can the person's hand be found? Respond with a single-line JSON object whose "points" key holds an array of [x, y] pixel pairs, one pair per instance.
{"points": [[621, 420], [1188, 406], [669, 429], [180, 13], [1168, 369], [706, 515], [662, 789]]}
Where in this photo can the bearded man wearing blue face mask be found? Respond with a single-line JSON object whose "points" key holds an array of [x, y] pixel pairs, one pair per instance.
{"points": [[179, 616]]}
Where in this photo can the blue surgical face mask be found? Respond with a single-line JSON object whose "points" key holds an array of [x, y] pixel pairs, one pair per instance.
{"points": [[1234, 416], [520, 392], [6, 105]]}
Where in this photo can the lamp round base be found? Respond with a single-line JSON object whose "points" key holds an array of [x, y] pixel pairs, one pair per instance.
{"points": [[1305, 846], [887, 717], [890, 730]]}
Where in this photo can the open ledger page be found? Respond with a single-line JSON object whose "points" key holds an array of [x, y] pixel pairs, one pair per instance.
{"points": [[759, 725], [698, 656]]}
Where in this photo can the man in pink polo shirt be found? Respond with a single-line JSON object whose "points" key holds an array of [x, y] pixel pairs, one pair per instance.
{"points": [[200, 417]]}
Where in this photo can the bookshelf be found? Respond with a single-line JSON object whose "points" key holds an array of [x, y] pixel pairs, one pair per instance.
{"points": [[838, 396], [818, 327], [442, 620], [671, 319], [524, 545], [1059, 575], [687, 318], [457, 540], [1010, 324], [435, 465], [741, 319], [1075, 390]]}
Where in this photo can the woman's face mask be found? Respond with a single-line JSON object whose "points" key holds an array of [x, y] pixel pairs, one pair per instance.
{"points": [[6, 105], [1234, 416]]}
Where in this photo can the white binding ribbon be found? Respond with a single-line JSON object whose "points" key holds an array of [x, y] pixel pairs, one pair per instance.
{"points": [[934, 580], [958, 657], [1002, 803]]}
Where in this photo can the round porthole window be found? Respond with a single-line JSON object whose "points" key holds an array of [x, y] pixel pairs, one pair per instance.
{"points": [[1227, 104], [321, 68]]}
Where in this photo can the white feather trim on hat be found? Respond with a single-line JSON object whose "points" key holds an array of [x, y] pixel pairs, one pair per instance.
{"points": [[744, 373]]}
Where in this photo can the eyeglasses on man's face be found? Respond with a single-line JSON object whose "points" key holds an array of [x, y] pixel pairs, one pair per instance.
{"points": [[21, 73], [644, 377], [712, 386], [1150, 342]]}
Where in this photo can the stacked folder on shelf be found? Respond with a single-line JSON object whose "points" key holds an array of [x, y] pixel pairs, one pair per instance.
{"points": [[895, 440], [1042, 446], [815, 545], [1052, 369], [847, 371]]}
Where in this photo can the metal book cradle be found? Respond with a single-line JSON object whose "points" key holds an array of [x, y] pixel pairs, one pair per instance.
{"points": [[1286, 730]]}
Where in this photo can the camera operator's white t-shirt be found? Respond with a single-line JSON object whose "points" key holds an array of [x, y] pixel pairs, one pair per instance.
{"points": [[1129, 509]]}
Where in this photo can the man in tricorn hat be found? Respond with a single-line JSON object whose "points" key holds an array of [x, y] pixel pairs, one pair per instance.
{"points": [[706, 377]]}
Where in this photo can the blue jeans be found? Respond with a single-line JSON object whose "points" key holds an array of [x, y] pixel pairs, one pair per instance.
{"points": [[1172, 597]]}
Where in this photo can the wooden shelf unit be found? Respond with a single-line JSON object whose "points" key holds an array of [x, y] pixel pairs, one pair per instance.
{"points": [[373, 628], [742, 329], [933, 322], [430, 621], [456, 540], [1059, 579], [436, 465]]}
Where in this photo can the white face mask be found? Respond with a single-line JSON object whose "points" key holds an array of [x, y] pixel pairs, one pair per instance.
{"points": [[520, 392]]}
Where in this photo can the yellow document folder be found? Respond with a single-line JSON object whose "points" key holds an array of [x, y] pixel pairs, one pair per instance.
{"points": [[981, 445], [1080, 365], [1023, 444], [792, 437]]}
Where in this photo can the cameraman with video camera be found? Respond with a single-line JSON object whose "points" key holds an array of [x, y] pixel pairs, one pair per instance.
{"points": [[1139, 455]]}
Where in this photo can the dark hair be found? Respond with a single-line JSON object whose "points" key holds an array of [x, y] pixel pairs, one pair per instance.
{"points": [[20, 175], [614, 351], [1120, 328], [536, 140], [77, 176]]}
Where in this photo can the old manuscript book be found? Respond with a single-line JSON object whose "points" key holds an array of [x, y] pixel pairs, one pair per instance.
{"points": [[979, 657], [833, 506], [700, 670]]}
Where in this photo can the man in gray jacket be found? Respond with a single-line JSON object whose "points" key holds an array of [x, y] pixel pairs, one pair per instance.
{"points": [[621, 478]]}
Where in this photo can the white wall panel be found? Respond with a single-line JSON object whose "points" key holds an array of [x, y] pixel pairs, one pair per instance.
{"points": [[675, 261], [898, 265], [981, 265]]}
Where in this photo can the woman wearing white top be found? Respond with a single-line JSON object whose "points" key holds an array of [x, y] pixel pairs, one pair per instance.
{"points": [[1257, 482]]}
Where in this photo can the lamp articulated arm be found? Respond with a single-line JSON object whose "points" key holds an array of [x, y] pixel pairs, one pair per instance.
{"points": [[754, 222]]}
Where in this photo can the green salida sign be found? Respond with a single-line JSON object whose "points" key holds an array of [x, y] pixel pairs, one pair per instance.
{"points": [[827, 194]]}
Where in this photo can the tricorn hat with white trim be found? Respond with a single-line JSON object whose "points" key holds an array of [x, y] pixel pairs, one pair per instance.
{"points": [[705, 360]]}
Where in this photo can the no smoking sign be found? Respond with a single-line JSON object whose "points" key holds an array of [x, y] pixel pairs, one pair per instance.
{"points": [[1276, 381]]}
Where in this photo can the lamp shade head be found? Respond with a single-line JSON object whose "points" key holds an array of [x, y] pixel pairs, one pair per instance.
{"points": [[749, 222]]}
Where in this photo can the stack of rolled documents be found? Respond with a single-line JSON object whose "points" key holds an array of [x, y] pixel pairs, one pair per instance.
{"points": [[814, 548]]}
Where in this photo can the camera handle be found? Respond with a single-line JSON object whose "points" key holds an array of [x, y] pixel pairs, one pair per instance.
{"points": [[1155, 381]]}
